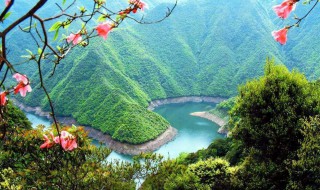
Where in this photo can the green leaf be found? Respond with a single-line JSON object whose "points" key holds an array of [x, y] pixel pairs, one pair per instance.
{"points": [[55, 26], [30, 52], [56, 35], [26, 28], [83, 25], [82, 9], [63, 2], [101, 18], [66, 26], [306, 2], [6, 15], [39, 51]]}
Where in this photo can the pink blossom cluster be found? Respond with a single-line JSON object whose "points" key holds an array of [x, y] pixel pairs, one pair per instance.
{"points": [[283, 11], [74, 38], [103, 29], [138, 4], [66, 140], [23, 87]]}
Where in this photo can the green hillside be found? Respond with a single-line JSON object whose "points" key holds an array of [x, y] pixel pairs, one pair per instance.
{"points": [[203, 48]]}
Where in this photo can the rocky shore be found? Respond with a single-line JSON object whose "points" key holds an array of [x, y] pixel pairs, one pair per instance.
{"points": [[213, 118], [123, 148], [155, 103], [36, 110]]}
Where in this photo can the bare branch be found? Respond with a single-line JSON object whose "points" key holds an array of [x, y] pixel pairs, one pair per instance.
{"points": [[44, 31]]}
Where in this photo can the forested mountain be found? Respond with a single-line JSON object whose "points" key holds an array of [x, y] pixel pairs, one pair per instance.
{"points": [[204, 48]]}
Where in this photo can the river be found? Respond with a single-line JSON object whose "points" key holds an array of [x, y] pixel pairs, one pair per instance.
{"points": [[194, 133], [37, 120]]}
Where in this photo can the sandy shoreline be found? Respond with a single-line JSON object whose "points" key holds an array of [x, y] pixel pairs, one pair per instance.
{"points": [[213, 118]]}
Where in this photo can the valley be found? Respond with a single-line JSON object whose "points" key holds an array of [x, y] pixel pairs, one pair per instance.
{"points": [[160, 94], [193, 133], [197, 51]]}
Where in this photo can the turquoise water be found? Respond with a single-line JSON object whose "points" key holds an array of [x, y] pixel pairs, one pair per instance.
{"points": [[194, 133], [37, 120]]}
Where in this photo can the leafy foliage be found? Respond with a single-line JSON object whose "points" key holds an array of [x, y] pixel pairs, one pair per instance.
{"points": [[274, 146], [271, 109], [23, 165], [269, 120], [194, 52], [214, 172], [223, 108], [305, 170], [230, 163], [16, 118]]}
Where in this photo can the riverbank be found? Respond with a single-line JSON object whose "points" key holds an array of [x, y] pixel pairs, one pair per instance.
{"points": [[206, 115], [122, 148], [125, 148], [155, 103], [36, 110]]}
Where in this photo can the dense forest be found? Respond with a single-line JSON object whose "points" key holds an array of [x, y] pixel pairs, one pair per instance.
{"points": [[201, 49], [274, 145], [193, 52], [204, 48]]}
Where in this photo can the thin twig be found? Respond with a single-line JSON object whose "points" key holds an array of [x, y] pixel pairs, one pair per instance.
{"points": [[44, 31], [300, 19]]}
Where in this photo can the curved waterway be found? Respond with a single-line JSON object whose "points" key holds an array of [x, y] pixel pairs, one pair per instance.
{"points": [[194, 133]]}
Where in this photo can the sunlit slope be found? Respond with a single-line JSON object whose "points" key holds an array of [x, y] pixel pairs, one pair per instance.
{"points": [[203, 48]]}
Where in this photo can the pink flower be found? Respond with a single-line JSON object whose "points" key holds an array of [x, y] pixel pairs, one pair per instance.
{"points": [[284, 9], [3, 98], [7, 2], [280, 35], [74, 38], [103, 29], [66, 140], [48, 143], [23, 86], [69, 144], [21, 78], [138, 5], [142, 5]]}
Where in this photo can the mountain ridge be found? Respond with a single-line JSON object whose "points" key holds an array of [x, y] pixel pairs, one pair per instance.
{"points": [[203, 49]]}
